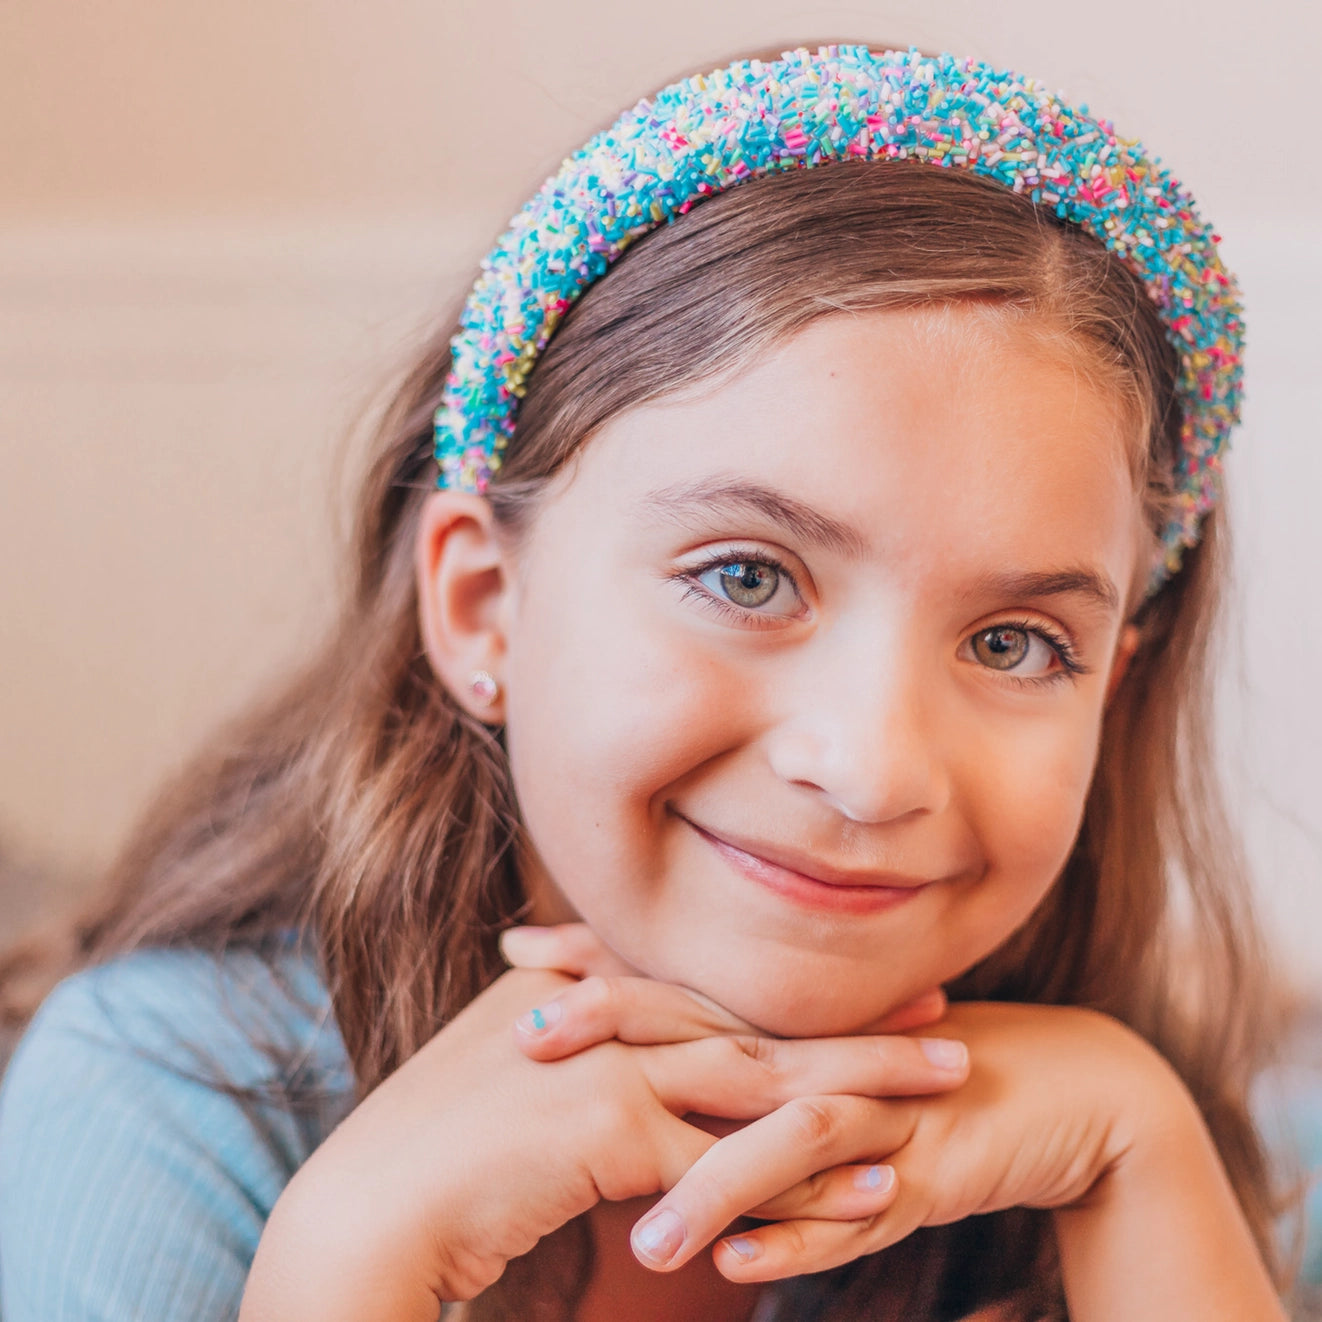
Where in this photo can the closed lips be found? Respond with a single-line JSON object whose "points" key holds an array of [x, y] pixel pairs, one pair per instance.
{"points": [[805, 866]]}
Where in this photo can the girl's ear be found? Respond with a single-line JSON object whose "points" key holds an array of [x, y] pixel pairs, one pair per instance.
{"points": [[464, 583], [1125, 647]]}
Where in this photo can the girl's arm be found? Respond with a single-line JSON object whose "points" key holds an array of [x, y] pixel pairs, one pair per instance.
{"points": [[470, 1153], [1160, 1237]]}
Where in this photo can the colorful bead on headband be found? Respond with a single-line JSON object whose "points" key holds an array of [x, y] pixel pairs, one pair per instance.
{"points": [[709, 133]]}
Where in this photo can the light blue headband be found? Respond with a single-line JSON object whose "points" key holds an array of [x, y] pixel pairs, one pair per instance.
{"points": [[712, 132]]}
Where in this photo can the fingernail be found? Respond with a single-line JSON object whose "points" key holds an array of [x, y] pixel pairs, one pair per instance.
{"points": [[946, 1053], [540, 1019], [744, 1249], [517, 934], [875, 1179], [658, 1238]]}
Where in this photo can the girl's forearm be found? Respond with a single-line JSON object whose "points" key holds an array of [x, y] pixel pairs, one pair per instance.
{"points": [[313, 1262], [1161, 1238]]}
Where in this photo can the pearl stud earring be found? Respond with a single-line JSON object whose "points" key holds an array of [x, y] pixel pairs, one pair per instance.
{"points": [[483, 686]]}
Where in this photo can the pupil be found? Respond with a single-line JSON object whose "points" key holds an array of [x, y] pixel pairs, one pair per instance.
{"points": [[1002, 649], [748, 583]]}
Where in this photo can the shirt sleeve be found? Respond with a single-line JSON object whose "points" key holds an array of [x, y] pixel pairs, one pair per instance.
{"points": [[129, 1190]]}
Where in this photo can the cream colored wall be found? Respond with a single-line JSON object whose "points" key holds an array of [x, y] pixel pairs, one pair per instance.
{"points": [[219, 224]]}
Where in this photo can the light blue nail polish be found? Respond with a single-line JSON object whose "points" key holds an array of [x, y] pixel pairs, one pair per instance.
{"points": [[874, 1179], [540, 1019]]}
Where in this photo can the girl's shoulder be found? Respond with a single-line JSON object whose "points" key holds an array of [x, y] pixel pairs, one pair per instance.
{"points": [[150, 1117], [185, 1007]]}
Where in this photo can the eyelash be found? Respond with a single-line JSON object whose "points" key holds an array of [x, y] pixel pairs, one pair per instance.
{"points": [[692, 588], [1058, 642]]}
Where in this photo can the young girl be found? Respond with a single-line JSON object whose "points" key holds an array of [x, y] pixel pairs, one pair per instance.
{"points": [[808, 646]]}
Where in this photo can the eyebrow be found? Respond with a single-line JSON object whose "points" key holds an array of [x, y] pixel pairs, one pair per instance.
{"points": [[1090, 584], [683, 500], [733, 496]]}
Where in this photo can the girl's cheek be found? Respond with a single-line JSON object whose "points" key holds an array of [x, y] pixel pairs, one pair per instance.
{"points": [[1033, 791]]}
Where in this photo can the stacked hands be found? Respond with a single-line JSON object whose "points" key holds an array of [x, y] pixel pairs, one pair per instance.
{"points": [[837, 1146], [571, 1080]]}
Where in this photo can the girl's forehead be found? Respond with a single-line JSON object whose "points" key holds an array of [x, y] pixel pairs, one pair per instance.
{"points": [[906, 426]]}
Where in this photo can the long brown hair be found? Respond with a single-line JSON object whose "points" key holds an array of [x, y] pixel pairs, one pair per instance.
{"points": [[360, 805]]}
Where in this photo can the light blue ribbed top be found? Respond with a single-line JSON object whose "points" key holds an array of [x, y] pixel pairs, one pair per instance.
{"points": [[127, 1190]]}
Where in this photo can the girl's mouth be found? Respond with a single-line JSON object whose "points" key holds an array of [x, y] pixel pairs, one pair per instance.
{"points": [[808, 883]]}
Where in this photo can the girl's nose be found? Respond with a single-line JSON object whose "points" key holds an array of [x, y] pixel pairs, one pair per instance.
{"points": [[866, 736]]}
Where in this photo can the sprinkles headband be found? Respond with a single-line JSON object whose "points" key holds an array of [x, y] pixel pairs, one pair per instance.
{"points": [[712, 132]]}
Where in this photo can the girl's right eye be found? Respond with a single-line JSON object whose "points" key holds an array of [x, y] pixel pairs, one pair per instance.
{"points": [[747, 587], [745, 582]]}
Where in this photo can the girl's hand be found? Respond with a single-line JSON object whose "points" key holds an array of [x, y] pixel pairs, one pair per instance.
{"points": [[608, 1007], [1064, 1109], [470, 1153], [612, 1002], [1053, 1101]]}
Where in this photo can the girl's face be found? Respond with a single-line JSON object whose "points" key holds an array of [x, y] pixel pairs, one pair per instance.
{"points": [[806, 671]]}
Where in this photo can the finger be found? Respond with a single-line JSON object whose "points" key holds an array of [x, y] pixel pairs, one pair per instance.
{"points": [[569, 947], [743, 1078], [843, 1193], [748, 1168], [791, 1248], [918, 1013], [634, 1010], [646, 1152]]}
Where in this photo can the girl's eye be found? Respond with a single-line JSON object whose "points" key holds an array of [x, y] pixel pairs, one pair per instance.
{"points": [[748, 583], [1010, 647], [746, 587]]}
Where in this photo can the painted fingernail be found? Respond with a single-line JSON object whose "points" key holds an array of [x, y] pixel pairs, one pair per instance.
{"points": [[744, 1249], [540, 1019], [875, 1179], [945, 1052], [658, 1238]]}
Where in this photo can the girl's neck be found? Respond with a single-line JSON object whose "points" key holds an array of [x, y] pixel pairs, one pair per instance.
{"points": [[621, 1286]]}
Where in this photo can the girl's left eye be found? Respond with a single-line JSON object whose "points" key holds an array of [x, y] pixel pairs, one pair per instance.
{"points": [[1027, 653], [754, 586]]}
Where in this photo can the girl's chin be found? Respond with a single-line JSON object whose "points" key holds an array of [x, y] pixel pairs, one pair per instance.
{"points": [[794, 1007], [799, 1020], [781, 990]]}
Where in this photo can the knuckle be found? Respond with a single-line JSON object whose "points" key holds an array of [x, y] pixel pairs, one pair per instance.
{"points": [[817, 1187], [735, 1055], [814, 1121], [864, 1230], [795, 1241], [760, 1051], [711, 1189], [460, 1273]]}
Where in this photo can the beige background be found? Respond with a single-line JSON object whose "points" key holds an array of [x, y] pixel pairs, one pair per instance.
{"points": [[221, 223]]}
